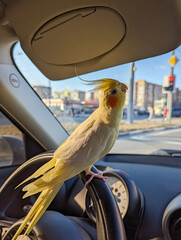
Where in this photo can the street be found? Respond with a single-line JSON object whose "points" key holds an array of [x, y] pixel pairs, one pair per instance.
{"points": [[147, 142], [81, 118]]}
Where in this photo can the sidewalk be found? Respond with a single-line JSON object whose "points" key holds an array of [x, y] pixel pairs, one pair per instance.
{"points": [[146, 124]]}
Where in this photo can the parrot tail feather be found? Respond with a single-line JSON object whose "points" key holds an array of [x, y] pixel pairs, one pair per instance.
{"points": [[46, 167], [38, 209], [41, 184]]}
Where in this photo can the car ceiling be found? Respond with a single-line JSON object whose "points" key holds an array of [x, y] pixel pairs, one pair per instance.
{"points": [[59, 36]]}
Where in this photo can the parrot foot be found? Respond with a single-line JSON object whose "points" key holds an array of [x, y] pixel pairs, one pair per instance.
{"points": [[92, 174]]}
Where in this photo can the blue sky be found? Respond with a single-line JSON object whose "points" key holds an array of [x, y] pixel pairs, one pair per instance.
{"points": [[152, 70]]}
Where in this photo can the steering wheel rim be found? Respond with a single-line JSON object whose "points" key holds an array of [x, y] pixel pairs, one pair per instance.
{"points": [[105, 206], [103, 200]]}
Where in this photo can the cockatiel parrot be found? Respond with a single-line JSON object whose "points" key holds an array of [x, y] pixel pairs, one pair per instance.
{"points": [[92, 140]]}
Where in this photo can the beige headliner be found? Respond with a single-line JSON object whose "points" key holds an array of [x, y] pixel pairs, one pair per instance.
{"points": [[147, 28]]}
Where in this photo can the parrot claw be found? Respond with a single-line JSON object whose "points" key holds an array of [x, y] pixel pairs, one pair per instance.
{"points": [[92, 174]]}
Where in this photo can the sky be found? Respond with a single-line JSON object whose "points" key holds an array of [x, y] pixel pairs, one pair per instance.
{"points": [[152, 70]]}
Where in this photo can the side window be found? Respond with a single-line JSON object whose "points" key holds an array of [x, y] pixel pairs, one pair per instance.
{"points": [[12, 151]]}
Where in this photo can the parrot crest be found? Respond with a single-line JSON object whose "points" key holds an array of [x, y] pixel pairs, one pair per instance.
{"points": [[113, 92], [107, 83]]}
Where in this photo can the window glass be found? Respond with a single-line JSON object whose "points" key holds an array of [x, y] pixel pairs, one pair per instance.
{"points": [[11, 143], [72, 101]]}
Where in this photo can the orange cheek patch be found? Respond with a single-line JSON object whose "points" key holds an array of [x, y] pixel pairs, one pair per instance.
{"points": [[113, 101]]}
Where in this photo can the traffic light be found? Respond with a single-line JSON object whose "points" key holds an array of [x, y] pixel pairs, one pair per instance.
{"points": [[171, 83]]}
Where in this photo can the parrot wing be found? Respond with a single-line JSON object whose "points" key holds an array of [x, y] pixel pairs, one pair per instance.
{"points": [[62, 154], [93, 133], [84, 148], [75, 155]]}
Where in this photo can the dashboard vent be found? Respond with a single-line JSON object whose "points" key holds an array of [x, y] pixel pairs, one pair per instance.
{"points": [[175, 225], [171, 223]]}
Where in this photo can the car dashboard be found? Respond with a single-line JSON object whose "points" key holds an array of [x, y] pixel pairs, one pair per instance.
{"points": [[146, 188], [158, 178]]}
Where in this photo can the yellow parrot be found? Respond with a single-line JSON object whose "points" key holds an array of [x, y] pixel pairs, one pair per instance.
{"points": [[92, 140]]}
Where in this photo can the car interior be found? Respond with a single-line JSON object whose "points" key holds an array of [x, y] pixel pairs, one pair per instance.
{"points": [[142, 197]]}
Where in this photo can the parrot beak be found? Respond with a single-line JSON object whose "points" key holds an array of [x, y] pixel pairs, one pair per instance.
{"points": [[124, 88]]}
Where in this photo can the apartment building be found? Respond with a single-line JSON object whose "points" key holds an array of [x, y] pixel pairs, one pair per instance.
{"points": [[145, 93], [177, 98]]}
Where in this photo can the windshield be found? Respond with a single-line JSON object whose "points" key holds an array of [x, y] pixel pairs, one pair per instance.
{"points": [[148, 126]]}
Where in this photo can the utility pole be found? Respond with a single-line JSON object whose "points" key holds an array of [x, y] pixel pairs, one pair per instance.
{"points": [[49, 93], [131, 87], [173, 60]]}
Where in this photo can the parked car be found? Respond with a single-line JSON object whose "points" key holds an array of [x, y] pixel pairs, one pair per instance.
{"points": [[143, 113], [176, 112], [142, 197]]}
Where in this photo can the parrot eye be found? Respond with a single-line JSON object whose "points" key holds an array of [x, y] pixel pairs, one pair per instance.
{"points": [[114, 91]]}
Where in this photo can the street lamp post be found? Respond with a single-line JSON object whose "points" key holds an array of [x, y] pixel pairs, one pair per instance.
{"points": [[131, 87]]}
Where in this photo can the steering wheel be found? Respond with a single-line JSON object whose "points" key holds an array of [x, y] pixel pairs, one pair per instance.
{"points": [[53, 224]]}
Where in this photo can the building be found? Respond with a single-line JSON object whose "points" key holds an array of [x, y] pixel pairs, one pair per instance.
{"points": [[71, 107], [89, 95], [62, 104], [43, 91], [177, 98], [77, 95], [58, 95], [145, 94], [74, 95], [72, 101]]}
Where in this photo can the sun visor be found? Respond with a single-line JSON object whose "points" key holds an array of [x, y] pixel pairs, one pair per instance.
{"points": [[91, 35], [73, 37]]}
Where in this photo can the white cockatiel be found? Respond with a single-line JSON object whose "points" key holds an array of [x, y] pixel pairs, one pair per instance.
{"points": [[92, 140]]}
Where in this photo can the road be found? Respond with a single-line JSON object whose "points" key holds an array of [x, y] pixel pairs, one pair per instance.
{"points": [[81, 118], [149, 141]]}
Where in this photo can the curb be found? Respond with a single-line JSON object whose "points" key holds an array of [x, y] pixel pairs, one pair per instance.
{"points": [[137, 132]]}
